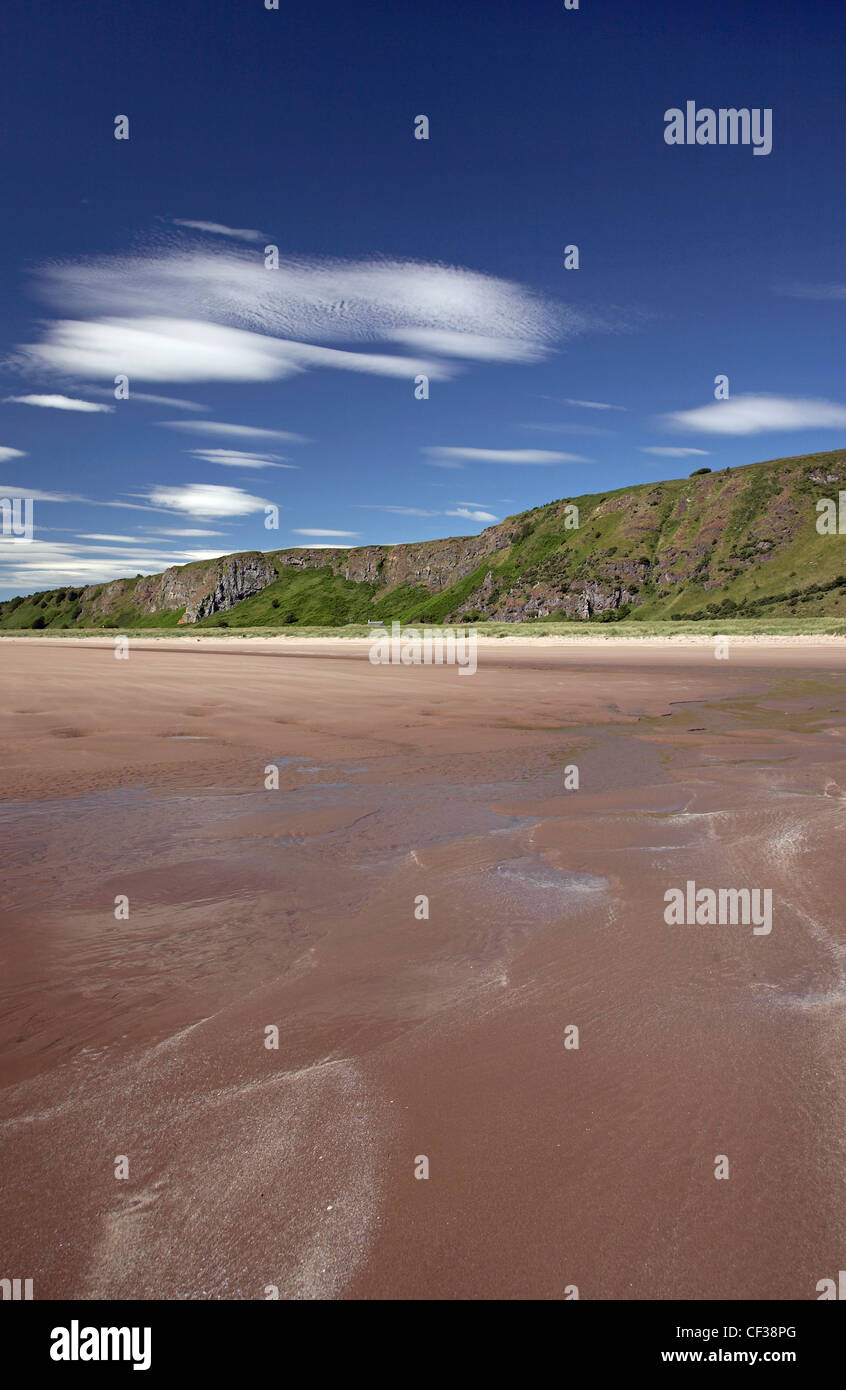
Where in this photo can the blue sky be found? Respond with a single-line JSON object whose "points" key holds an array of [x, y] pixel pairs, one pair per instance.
{"points": [[294, 386]]}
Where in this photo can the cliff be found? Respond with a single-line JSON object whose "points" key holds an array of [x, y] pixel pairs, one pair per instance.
{"points": [[740, 541]]}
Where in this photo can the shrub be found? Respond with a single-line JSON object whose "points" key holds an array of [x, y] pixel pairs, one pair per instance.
{"points": [[39, 622], [614, 615]]}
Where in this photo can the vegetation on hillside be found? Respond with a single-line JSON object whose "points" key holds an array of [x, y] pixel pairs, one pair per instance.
{"points": [[725, 544]]}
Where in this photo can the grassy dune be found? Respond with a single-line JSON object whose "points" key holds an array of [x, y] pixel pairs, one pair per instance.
{"points": [[573, 630]]}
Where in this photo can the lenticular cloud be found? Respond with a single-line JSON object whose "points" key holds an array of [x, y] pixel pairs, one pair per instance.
{"points": [[292, 312], [320, 301]]}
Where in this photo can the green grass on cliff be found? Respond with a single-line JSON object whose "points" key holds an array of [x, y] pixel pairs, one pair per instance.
{"points": [[55, 610]]}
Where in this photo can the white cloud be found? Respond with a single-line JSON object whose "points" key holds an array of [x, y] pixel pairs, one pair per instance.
{"points": [[742, 415], [218, 229], [206, 500], [320, 531], [473, 515], [372, 363], [145, 398], [193, 312], [398, 511], [594, 405], [477, 347], [568, 429], [814, 291], [41, 564], [182, 531], [60, 403], [13, 490], [158, 349], [7, 453], [86, 536], [215, 427], [451, 456], [670, 452], [308, 300], [170, 349], [237, 458]]}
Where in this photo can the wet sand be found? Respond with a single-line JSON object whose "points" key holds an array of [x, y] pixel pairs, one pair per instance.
{"points": [[252, 1167]]}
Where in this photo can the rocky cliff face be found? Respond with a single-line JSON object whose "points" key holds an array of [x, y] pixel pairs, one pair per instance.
{"points": [[238, 577], [212, 586], [582, 599], [435, 565]]}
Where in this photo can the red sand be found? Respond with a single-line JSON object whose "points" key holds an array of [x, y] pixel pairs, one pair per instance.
{"points": [[294, 1167]]}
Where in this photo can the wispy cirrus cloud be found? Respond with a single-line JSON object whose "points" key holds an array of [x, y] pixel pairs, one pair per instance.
{"points": [[8, 453], [60, 403], [181, 531], [145, 398], [568, 429], [798, 291], [321, 531], [218, 427], [670, 452], [397, 511], [219, 229], [594, 405], [454, 456], [472, 514], [15, 490], [744, 415], [239, 458], [100, 536], [478, 347]]}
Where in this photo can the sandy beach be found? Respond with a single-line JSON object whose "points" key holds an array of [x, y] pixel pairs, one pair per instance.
{"points": [[262, 1161]]}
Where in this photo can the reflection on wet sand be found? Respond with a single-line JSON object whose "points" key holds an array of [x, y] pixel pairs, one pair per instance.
{"points": [[380, 959]]}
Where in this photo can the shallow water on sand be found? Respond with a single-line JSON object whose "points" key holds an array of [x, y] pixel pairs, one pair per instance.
{"points": [[424, 912]]}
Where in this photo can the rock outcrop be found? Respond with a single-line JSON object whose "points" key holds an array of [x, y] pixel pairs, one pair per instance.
{"points": [[201, 588]]}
